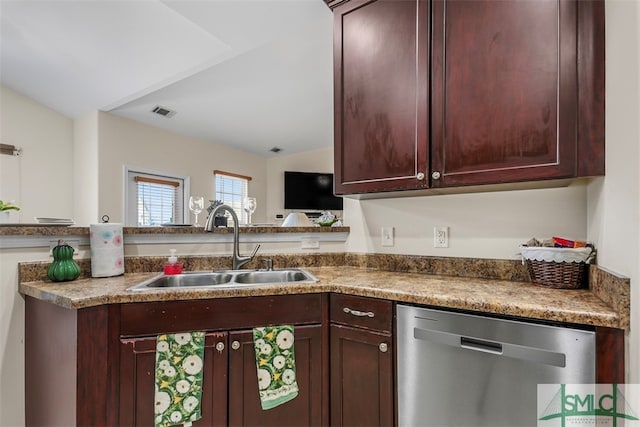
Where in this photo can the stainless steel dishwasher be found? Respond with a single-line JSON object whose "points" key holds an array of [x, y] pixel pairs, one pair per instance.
{"points": [[463, 370]]}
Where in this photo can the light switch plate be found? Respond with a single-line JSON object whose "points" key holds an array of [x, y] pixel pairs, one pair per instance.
{"points": [[387, 236]]}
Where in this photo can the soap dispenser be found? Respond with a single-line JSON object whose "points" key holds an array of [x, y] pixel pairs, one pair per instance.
{"points": [[172, 266]]}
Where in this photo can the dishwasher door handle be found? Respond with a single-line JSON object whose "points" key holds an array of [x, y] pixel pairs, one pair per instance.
{"points": [[514, 351], [481, 345]]}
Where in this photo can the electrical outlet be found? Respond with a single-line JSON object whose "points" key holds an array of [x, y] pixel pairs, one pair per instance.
{"points": [[310, 244], [387, 236], [440, 237]]}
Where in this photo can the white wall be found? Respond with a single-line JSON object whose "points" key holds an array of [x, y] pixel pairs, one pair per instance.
{"points": [[126, 142], [12, 335], [40, 180], [85, 165], [309, 161], [481, 225], [614, 202]]}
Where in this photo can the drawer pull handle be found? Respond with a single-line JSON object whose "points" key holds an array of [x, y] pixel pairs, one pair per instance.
{"points": [[383, 347], [235, 345], [358, 313]]}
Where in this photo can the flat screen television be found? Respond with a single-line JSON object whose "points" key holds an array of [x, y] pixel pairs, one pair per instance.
{"points": [[310, 191]]}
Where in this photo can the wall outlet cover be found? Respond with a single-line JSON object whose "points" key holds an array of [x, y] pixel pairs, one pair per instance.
{"points": [[310, 244], [440, 237]]}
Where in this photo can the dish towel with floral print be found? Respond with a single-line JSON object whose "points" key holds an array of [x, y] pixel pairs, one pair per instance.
{"points": [[276, 364], [179, 365]]}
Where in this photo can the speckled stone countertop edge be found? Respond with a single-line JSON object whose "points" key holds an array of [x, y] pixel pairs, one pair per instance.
{"points": [[500, 297], [36, 229]]}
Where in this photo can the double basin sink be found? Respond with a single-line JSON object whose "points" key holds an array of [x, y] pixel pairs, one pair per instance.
{"points": [[226, 279]]}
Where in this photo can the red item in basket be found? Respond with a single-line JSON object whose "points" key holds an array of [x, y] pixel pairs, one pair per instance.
{"points": [[565, 243]]}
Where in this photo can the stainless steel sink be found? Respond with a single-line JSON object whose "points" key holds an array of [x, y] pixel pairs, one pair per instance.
{"points": [[185, 280], [275, 276], [227, 279]]}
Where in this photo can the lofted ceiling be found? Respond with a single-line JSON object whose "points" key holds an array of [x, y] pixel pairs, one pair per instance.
{"points": [[252, 74]]}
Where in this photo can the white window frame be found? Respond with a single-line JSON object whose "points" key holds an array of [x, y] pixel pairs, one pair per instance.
{"points": [[238, 207], [130, 204]]}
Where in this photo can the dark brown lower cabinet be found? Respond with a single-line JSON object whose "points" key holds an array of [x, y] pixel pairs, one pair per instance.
{"points": [[362, 392], [244, 401], [95, 366], [361, 361], [230, 382], [137, 379], [610, 356]]}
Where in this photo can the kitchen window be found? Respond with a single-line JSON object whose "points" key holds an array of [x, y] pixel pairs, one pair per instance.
{"points": [[154, 198], [232, 189]]}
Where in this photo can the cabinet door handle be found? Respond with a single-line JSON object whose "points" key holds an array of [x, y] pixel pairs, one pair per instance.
{"points": [[435, 175], [220, 347], [383, 347], [358, 313], [420, 176], [235, 345]]}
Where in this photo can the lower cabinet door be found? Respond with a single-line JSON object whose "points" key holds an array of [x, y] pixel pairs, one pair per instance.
{"points": [[137, 381], [361, 377], [244, 400]]}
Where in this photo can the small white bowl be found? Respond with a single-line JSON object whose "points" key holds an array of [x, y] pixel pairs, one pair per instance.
{"points": [[296, 219]]}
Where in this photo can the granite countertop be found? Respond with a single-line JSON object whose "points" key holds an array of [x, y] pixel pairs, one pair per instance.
{"points": [[496, 296], [56, 230]]}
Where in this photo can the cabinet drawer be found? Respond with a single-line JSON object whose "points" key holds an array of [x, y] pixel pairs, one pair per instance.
{"points": [[138, 319], [370, 313]]}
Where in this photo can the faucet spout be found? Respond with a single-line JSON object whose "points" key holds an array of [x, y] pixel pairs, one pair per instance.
{"points": [[238, 261]]}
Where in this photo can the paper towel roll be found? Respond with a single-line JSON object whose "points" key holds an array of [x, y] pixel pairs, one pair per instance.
{"points": [[107, 249]]}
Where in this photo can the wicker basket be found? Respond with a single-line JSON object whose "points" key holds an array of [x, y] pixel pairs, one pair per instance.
{"points": [[559, 268]]}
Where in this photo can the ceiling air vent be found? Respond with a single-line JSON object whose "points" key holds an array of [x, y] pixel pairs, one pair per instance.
{"points": [[163, 111]]}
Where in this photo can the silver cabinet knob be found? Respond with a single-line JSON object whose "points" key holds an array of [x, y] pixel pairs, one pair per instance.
{"points": [[220, 347], [383, 347], [435, 175], [235, 345], [420, 176]]}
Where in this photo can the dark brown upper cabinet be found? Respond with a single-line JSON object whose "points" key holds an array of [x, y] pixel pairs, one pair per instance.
{"points": [[440, 94], [381, 51]]}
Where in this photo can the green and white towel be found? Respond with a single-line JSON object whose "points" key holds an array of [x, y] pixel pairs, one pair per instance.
{"points": [[179, 365], [276, 364]]}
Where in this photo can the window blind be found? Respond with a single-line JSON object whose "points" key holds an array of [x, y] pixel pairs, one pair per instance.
{"points": [[232, 189], [159, 200]]}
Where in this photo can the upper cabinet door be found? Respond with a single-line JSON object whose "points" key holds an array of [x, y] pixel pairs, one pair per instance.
{"points": [[504, 91], [381, 62]]}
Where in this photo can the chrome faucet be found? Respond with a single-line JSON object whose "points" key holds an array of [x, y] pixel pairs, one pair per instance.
{"points": [[238, 261], [268, 262]]}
